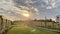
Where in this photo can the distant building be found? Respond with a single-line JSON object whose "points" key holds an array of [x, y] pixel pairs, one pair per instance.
{"points": [[58, 18]]}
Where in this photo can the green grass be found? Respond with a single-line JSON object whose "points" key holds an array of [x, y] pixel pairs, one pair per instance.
{"points": [[28, 30], [19, 28]]}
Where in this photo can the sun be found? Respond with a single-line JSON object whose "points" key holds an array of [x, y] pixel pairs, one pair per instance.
{"points": [[26, 15]]}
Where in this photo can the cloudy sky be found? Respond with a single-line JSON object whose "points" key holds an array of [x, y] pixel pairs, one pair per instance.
{"points": [[13, 9]]}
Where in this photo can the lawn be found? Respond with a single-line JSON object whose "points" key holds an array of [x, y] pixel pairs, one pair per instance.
{"points": [[28, 30]]}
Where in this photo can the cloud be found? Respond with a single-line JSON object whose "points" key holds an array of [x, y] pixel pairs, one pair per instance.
{"points": [[30, 1], [38, 8], [27, 6], [49, 7], [6, 5], [44, 7], [5, 9], [53, 3]]}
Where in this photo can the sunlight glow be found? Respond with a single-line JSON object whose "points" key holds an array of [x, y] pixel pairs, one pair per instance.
{"points": [[26, 15]]}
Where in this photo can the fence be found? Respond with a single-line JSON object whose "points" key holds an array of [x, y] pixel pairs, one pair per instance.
{"points": [[4, 25]]}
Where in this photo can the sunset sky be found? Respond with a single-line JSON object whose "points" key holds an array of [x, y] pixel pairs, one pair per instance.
{"points": [[13, 9]]}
